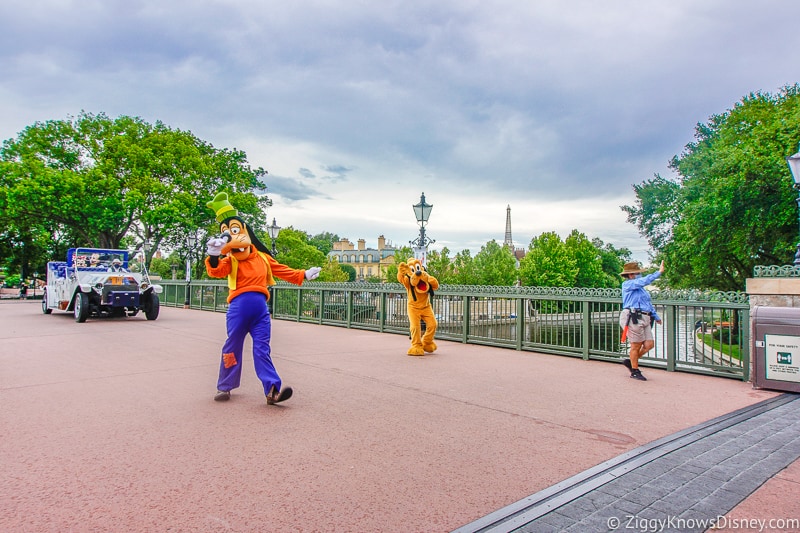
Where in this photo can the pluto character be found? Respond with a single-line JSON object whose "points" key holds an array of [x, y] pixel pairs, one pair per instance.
{"points": [[419, 287]]}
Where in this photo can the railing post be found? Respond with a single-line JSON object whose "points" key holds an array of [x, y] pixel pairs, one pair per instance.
{"points": [[467, 319], [744, 343], [520, 322], [383, 306], [348, 298], [299, 306], [671, 319], [586, 329]]}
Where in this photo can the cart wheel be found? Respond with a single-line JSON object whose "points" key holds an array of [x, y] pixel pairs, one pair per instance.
{"points": [[46, 310], [81, 307], [151, 307]]}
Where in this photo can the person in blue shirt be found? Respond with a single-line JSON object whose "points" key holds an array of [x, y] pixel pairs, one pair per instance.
{"points": [[638, 314]]}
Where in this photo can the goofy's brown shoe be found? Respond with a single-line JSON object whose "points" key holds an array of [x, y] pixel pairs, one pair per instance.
{"points": [[222, 396], [277, 397]]}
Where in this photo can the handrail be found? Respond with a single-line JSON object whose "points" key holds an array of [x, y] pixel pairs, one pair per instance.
{"points": [[706, 332]]}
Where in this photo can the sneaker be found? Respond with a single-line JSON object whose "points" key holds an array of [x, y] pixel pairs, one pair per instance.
{"points": [[222, 396], [637, 374], [627, 363]]}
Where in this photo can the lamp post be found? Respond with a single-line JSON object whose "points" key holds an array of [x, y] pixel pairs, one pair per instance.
{"points": [[191, 240], [273, 231], [794, 166], [422, 211]]}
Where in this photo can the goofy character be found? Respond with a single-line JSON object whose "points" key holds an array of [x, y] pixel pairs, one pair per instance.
{"points": [[238, 255], [419, 287]]}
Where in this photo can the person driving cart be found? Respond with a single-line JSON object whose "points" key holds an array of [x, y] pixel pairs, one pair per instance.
{"points": [[116, 265]]}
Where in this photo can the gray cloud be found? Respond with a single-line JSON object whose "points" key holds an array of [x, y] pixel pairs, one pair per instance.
{"points": [[553, 101]]}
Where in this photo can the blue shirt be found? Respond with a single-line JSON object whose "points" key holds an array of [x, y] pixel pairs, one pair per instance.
{"points": [[635, 297]]}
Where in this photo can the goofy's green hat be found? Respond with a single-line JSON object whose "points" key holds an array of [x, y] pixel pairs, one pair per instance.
{"points": [[222, 207]]}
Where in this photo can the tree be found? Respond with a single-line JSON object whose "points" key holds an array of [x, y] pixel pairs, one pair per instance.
{"points": [[440, 266], [464, 271], [332, 271], [495, 265], [612, 261], [92, 181], [731, 206], [401, 255], [294, 251], [548, 263], [598, 266], [324, 241], [349, 271]]}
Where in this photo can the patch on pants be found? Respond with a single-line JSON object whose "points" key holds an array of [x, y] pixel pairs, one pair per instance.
{"points": [[229, 360]]}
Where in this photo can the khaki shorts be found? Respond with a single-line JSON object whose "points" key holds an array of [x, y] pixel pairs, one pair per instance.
{"points": [[640, 332]]}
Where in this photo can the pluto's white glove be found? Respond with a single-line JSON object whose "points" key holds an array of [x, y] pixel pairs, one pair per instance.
{"points": [[312, 273], [214, 246]]}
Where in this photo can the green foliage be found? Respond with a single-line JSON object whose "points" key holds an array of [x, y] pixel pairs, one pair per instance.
{"points": [[732, 206], [324, 241], [464, 270], [295, 251], [350, 271], [401, 255], [612, 261], [495, 265], [440, 265], [160, 267], [548, 263], [93, 181], [334, 272]]}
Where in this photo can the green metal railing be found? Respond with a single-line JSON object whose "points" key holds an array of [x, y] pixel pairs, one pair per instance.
{"points": [[702, 332]]}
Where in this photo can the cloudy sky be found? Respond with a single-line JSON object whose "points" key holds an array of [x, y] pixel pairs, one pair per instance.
{"points": [[556, 108]]}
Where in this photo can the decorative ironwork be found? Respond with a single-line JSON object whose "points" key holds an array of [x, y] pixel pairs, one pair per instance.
{"points": [[691, 295], [777, 271]]}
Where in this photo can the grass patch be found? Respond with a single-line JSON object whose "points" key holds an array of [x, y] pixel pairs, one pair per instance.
{"points": [[731, 350]]}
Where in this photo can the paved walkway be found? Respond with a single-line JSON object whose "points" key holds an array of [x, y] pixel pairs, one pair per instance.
{"points": [[688, 481], [110, 426]]}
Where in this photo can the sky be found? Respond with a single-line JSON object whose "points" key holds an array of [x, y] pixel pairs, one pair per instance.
{"points": [[555, 108]]}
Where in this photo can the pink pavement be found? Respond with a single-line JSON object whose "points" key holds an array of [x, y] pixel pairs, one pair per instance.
{"points": [[111, 425]]}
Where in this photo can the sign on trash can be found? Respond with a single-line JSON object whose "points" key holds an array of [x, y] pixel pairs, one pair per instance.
{"points": [[776, 353]]}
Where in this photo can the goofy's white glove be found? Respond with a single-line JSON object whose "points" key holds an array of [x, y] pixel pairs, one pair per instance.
{"points": [[214, 246], [312, 273]]}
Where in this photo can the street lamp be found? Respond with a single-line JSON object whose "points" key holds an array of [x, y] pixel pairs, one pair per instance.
{"points": [[273, 231], [191, 240], [422, 211], [794, 166]]}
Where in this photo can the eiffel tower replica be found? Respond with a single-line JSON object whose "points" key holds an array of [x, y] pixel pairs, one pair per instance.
{"points": [[508, 242]]}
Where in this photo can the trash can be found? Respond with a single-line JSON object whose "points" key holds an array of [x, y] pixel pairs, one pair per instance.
{"points": [[776, 348]]}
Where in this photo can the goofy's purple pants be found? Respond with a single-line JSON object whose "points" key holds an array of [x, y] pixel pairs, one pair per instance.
{"points": [[247, 313]]}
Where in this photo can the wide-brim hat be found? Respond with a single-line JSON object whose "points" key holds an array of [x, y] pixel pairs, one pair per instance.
{"points": [[631, 268]]}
